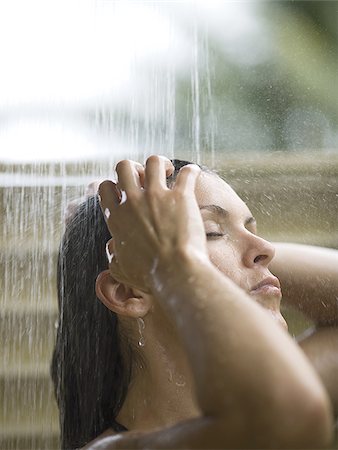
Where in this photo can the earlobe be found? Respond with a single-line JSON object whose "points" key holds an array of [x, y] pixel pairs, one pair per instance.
{"points": [[120, 298]]}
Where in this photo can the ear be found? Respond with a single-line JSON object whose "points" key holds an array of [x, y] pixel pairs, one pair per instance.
{"points": [[120, 298]]}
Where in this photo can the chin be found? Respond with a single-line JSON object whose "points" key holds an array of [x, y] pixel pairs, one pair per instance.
{"points": [[279, 319]]}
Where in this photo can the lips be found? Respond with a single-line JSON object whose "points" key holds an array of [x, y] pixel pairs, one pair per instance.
{"points": [[269, 285]]}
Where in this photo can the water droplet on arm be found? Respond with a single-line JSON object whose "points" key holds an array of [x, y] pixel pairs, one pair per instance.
{"points": [[123, 197], [110, 256], [141, 326], [180, 382]]}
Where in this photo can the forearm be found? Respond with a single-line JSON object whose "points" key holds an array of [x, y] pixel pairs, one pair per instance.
{"points": [[309, 280], [250, 378], [230, 339]]}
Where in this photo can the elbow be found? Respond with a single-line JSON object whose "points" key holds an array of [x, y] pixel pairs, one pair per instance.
{"points": [[310, 423], [321, 421], [298, 421]]}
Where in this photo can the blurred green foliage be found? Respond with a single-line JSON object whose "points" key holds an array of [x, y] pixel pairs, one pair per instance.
{"points": [[284, 97], [288, 101]]}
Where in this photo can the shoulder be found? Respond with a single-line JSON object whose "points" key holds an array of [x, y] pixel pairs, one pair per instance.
{"points": [[106, 440]]}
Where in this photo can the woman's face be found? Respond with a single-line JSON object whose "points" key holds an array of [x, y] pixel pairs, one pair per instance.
{"points": [[234, 247]]}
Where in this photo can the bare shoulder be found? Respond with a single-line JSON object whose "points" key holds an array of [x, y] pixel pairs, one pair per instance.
{"points": [[112, 440], [199, 433], [217, 433], [101, 441]]}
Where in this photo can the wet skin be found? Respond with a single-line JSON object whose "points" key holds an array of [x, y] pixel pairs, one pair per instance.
{"points": [[208, 311], [233, 244]]}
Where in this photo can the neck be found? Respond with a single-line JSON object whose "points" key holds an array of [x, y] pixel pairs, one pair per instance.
{"points": [[161, 391]]}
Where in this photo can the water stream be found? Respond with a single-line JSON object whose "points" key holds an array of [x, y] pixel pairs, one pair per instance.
{"points": [[190, 81]]}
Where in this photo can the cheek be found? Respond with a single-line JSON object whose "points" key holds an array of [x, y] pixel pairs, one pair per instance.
{"points": [[227, 259]]}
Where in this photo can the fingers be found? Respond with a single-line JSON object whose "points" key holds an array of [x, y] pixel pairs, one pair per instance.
{"points": [[156, 171], [109, 196], [186, 178], [130, 175], [131, 178]]}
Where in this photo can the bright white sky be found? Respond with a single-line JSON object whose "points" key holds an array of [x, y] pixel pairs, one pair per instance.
{"points": [[67, 55], [69, 51]]}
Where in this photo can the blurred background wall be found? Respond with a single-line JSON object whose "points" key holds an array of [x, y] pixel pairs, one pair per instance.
{"points": [[247, 87]]}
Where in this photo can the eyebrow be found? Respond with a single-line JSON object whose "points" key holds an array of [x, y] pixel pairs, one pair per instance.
{"points": [[216, 210], [224, 213]]}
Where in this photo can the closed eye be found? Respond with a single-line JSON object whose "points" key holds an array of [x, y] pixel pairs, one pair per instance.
{"points": [[214, 235], [251, 225]]}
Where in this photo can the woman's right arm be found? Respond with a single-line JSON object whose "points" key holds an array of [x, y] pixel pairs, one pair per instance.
{"points": [[254, 387]]}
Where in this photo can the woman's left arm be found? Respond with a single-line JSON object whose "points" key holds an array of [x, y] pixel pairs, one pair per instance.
{"points": [[321, 348], [309, 280]]}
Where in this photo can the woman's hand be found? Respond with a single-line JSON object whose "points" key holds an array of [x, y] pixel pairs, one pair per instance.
{"points": [[248, 374], [151, 224]]}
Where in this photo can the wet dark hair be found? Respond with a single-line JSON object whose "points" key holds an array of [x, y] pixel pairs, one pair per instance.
{"points": [[92, 364]]}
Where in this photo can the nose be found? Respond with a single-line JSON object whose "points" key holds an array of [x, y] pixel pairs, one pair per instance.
{"points": [[258, 252]]}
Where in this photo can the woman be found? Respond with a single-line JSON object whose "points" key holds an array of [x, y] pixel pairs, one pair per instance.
{"points": [[196, 361]]}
